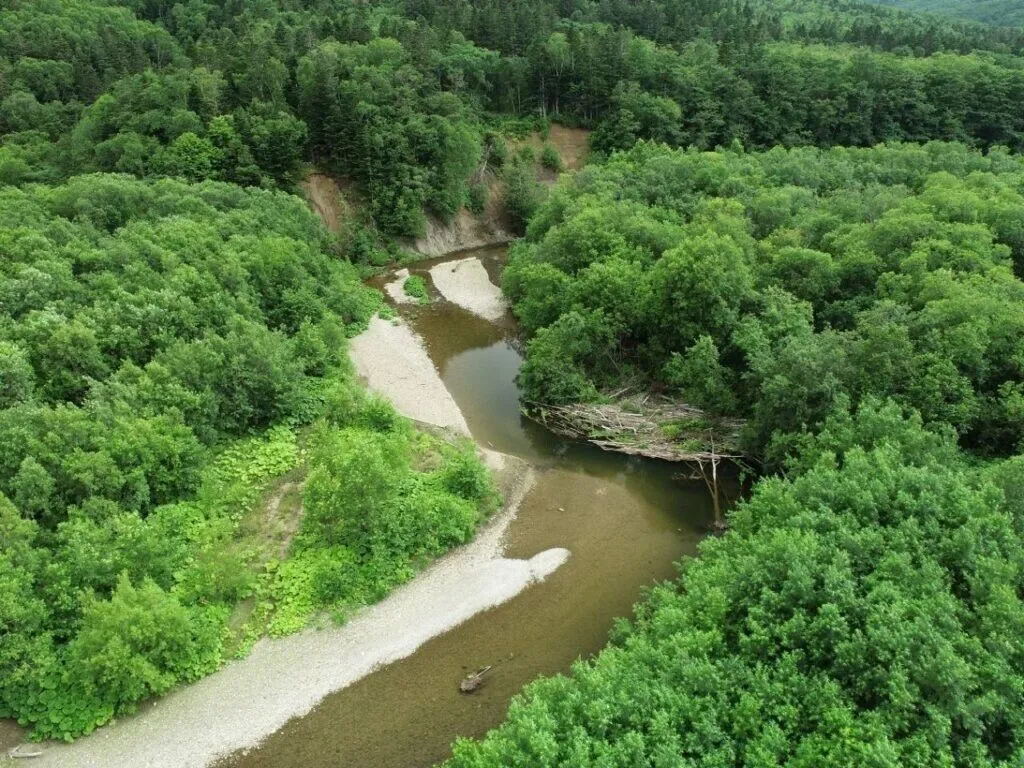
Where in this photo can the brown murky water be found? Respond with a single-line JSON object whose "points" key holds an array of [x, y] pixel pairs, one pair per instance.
{"points": [[625, 520]]}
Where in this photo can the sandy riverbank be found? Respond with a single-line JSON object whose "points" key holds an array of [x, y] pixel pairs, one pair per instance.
{"points": [[465, 282], [393, 362], [395, 288], [284, 678], [249, 699]]}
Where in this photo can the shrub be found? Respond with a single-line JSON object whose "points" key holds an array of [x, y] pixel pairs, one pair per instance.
{"points": [[464, 475], [477, 202], [522, 194], [416, 287], [550, 158]]}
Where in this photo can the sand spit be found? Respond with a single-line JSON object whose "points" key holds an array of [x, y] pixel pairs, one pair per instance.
{"points": [[465, 282], [394, 363], [396, 288], [248, 700], [281, 679]]}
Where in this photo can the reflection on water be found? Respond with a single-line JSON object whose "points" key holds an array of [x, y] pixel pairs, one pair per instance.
{"points": [[625, 520]]}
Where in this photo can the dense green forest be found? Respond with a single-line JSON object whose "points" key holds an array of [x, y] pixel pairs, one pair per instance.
{"points": [[806, 214], [860, 309], [402, 99], [998, 12], [865, 610], [772, 285], [163, 347]]}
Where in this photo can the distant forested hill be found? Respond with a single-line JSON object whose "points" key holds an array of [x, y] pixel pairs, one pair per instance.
{"points": [[1005, 13]]}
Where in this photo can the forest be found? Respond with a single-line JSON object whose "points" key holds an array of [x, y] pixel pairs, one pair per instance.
{"points": [[805, 215], [864, 609], [169, 352], [771, 286], [999, 12]]}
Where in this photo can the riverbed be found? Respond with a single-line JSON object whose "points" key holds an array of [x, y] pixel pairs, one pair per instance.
{"points": [[624, 520], [582, 533]]}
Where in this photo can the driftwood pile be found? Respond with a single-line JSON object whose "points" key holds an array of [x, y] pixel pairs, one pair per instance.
{"points": [[637, 429], [659, 429]]}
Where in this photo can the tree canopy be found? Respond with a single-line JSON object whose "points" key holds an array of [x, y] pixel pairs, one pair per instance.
{"points": [[844, 620], [161, 343], [999, 12], [806, 214], [796, 277]]}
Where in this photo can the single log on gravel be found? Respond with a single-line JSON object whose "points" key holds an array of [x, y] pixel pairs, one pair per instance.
{"points": [[22, 751]]}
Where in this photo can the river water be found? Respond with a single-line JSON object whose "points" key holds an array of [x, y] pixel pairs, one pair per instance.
{"points": [[625, 521]]}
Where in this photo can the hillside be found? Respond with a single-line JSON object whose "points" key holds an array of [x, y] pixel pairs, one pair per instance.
{"points": [[1006, 13]]}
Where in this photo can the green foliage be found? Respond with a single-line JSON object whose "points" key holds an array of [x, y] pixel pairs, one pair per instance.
{"points": [[371, 520], [559, 355], [477, 199], [17, 379], [550, 159], [496, 150], [139, 643], [521, 194], [147, 327], [394, 96], [1002, 12], [844, 620], [701, 378], [354, 475], [416, 287], [161, 339], [376, 118], [463, 475], [775, 285]]}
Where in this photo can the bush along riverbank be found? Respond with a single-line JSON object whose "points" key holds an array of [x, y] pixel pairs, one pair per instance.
{"points": [[864, 609], [188, 461], [765, 287]]}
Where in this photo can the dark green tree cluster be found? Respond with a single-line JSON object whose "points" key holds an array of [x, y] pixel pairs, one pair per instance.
{"points": [[790, 94], [178, 124], [736, 25], [143, 325], [888, 29], [998, 12], [763, 85], [866, 610], [795, 277], [394, 95], [376, 118], [59, 55]]}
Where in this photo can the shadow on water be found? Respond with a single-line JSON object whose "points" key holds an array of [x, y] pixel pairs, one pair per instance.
{"points": [[625, 520]]}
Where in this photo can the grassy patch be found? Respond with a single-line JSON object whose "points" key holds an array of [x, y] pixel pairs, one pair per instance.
{"points": [[680, 428], [416, 287], [550, 159]]}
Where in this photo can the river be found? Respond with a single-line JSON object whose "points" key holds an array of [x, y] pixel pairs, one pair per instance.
{"points": [[625, 520]]}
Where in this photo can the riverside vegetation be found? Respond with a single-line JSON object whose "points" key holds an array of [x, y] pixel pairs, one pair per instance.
{"points": [[149, 327], [173, 382]]}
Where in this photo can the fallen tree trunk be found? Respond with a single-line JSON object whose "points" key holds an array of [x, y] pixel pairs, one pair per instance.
{"points": [[470, 683], [660, 430]]}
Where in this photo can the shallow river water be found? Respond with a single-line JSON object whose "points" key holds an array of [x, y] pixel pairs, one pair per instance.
{"points": [[625, 521]]}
